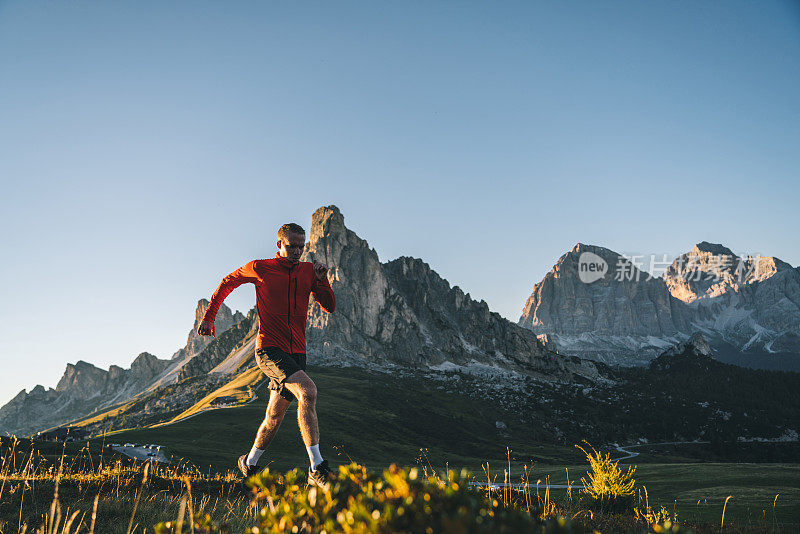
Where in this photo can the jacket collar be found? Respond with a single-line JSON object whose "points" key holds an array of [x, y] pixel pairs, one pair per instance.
{"points": [[284, 262]]}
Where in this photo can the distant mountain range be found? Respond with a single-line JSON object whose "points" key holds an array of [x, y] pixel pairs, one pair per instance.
{"points": [[747, 307], [399, 313], [85, 389], [402, 315]]}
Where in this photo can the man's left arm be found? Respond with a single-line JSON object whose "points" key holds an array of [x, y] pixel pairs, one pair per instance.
{"points": [[321, 288]]}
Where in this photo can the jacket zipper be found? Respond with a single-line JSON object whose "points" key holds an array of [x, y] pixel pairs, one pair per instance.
{"points": [[289, 315]]}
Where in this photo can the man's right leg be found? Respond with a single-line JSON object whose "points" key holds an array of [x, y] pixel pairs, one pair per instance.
{"points": [[304, 389], [276, 409]]}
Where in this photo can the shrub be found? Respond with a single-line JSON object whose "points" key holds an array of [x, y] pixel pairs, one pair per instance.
{"points": [[608, 487], [398, 500]]}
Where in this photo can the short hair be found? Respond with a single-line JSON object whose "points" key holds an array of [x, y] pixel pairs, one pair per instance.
{"points": [[290, 228]]}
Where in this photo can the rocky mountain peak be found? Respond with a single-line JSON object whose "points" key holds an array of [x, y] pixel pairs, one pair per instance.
{"points": [[82, 388], [327, 224], [354, 271], [200, 310], [82, 379], [696, 344], [580, 248], [327, 221], [332, 243], [79, 372], [751, 302], [615, 265], [569, 302], [691, 355], [706, 271], [147, 366], [769, 265], [196, 343], [711, 248], [711, 270], [588, 247], [403, 312], [20, 396], [143, 359]]}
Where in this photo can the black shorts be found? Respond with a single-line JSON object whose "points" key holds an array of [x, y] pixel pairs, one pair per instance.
{"points": [[278, 366]]}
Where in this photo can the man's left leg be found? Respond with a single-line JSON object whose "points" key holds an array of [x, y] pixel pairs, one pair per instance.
{"points": [[276, 409]]}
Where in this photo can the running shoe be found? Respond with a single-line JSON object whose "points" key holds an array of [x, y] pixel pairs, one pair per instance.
{"points": [[321, 476], [246, 470]]}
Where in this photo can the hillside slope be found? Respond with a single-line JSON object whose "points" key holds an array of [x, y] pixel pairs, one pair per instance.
{"points": [[378, 417]]}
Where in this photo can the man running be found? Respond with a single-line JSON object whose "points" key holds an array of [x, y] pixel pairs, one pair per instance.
{"points": [[283, 285]]}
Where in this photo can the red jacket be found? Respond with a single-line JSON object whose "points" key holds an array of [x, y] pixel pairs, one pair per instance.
{"points": [[282, 291]]}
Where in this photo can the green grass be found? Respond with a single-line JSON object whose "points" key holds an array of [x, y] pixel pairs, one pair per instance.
{"points": [[29, 470], [373, 419], [753, 487], [681, 485], [378, 420]]}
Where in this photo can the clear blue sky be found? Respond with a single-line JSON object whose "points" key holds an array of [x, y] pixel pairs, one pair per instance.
{"points": [[149, 148]]}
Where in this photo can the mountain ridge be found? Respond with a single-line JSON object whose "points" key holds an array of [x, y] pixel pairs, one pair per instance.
{"points": [[388, 314], [84, 387], [402, 313], [745, 305]]}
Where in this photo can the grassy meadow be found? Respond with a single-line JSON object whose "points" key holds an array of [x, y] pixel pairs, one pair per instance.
{"points": [[376, 421], [96, 486]]}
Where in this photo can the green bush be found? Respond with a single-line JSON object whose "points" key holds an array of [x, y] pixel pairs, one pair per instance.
{"points": [[399, 500], [608, 487]]}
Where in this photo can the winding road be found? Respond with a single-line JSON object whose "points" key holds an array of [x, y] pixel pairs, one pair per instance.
{"points": [[632, 454]]}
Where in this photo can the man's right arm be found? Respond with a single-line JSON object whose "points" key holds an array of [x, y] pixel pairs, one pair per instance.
{"points": [[244, 274]]}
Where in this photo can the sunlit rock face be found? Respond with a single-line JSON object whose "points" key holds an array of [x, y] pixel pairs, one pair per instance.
{"points": [[748, 307], [616, 305], [403, 312], [751, 301], [84, 380], [195, 343], [623, 317], [82, 389], [711, 270], [215, 353]]}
